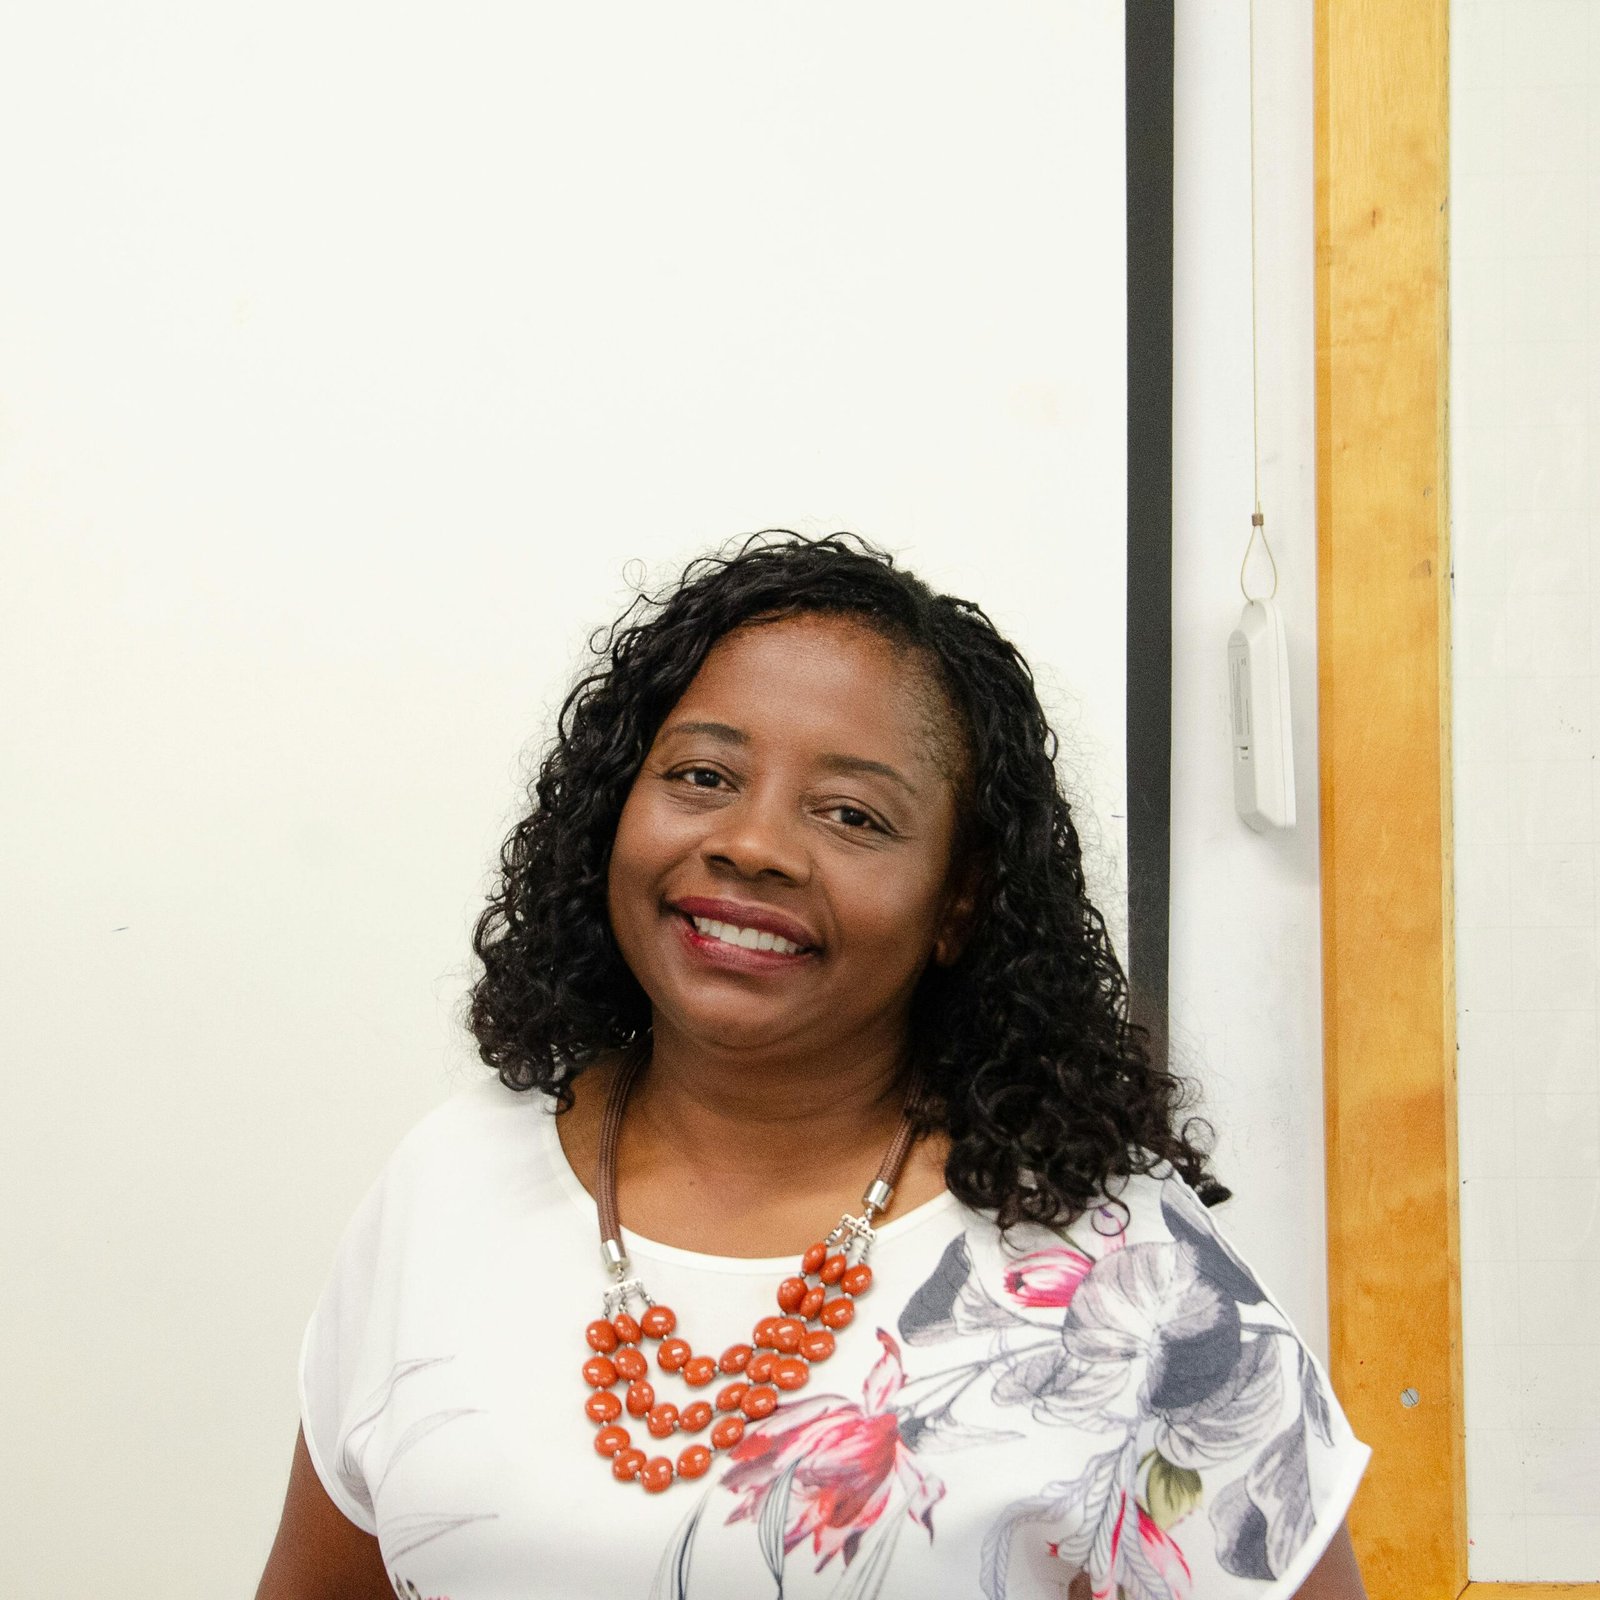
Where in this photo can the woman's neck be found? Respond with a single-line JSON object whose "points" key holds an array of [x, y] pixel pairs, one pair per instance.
{"points": [[753, 1119], [732, 1157]]}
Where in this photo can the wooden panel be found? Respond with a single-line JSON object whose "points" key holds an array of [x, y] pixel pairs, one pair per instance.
{"points": [[1531, 1591], [1383, 681]]}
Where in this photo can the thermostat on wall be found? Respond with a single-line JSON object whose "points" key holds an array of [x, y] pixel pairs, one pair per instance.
{"points": [[1263, 740]]}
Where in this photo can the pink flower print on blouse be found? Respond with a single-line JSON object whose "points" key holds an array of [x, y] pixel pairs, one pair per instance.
{"points": [[1050, 1277], [1047, 1277], [1156, 1551], [840, 1465]]}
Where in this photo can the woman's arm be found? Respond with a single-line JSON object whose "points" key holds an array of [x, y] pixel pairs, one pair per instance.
{"points": [[320, 1554], [1335, 1576]]}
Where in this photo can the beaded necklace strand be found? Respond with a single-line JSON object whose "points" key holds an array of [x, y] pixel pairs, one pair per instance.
{"points": [[781, 1351]]}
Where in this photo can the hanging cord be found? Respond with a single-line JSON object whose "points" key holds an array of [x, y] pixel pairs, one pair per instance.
{"points": [[1258, 523]]}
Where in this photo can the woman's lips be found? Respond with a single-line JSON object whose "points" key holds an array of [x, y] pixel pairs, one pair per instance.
{"points": [[747, 916], [718, 952]]}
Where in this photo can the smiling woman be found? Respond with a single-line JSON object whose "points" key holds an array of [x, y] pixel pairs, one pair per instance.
{"points": [[759, 810], [795, 930]]}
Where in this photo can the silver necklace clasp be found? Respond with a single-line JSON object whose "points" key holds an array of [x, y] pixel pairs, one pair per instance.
{"points": [[626, 1287], [620, 1293], [855, 1233]]}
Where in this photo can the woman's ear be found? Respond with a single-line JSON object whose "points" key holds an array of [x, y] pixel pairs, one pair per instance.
{"points": [[960, 913]]}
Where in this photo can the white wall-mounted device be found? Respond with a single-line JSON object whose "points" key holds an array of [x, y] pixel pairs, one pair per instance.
{"points": [[1263, 738]]}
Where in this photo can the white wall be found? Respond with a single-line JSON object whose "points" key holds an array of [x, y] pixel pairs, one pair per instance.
{"points": [[1525, 491], [346, 356], [1246, 990]]}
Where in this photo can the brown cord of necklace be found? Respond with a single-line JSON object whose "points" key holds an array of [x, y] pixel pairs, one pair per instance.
{"points": [[813, 1305]]}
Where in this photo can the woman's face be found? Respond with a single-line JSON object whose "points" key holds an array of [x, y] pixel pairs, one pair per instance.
{"points": [[782, 870]]}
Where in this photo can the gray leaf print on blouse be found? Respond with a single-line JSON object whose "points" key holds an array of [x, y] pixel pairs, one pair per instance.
{"points": [[1038, 1375], [929, 1314], [1190, 1223], [399, 1535], [1314, 1398], [350, 1464], [773, 1520], [402, 1535], [1263, 1518], [1058, 1389], [672, 1576], [952, 1303], [944, 1434], [1150, 1300], [1235, 1415], [417, 1432], [1072, 1512]]}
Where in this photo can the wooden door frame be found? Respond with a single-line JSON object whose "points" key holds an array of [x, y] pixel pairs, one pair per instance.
{"points": [[1383, 679]]}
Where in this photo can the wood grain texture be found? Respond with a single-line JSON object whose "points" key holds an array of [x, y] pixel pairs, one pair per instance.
{"points": [[1531, 1591], [1383, 680]]}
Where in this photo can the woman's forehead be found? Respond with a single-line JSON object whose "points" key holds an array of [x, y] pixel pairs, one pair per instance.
{"points": [[819, 677]]}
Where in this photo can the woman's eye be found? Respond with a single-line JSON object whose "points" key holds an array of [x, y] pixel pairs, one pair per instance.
{"points": [[854, 817], [700, 777]]}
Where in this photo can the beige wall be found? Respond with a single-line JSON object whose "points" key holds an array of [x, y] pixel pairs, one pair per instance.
{"points": [[1525, 244], [346, 358]]}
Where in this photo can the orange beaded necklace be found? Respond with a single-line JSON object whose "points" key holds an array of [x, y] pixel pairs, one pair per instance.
{"points": [[781, 1349]]}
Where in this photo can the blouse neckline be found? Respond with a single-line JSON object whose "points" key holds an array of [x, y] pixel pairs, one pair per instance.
{"points": [[654, 1250]]}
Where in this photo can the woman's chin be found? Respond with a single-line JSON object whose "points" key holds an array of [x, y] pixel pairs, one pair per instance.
{"points": [[731, 1027]]}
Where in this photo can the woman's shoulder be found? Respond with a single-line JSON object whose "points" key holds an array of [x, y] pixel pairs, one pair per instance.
{"points": [[477, 1121], [1158, 1205], [1158, 1215], [478, 1103], [1147, 1235], [1152, 1204], [1135, 1344]]}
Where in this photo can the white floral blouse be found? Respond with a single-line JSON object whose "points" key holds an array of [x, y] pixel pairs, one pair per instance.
{"points": [[1112, 1409]]}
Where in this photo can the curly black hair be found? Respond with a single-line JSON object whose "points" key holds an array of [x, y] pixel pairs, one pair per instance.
{"points": [[1028, 1058]]}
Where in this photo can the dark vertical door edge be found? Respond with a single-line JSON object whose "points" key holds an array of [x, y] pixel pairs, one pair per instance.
{"points": [[1148, 34]]}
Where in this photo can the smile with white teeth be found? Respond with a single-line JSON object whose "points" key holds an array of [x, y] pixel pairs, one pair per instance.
{"points": [[745, 938]]}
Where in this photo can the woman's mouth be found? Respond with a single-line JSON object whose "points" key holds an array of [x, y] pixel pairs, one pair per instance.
{"points": [[744, 938], [736, 948]]}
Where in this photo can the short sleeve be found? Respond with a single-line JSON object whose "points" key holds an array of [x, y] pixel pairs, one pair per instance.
{"points": [[331, 1361], [1207, 1457], [1247, 1464]]}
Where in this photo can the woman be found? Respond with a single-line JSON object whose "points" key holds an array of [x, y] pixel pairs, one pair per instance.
{"points": [[863, 1255]]}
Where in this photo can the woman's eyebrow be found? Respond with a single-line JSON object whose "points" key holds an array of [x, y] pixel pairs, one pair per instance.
{"points": [[726, 734], [861, 764], [712, 730]]}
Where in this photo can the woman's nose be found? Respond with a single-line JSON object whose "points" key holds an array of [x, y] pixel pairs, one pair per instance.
{"points": [[759, 834]]}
